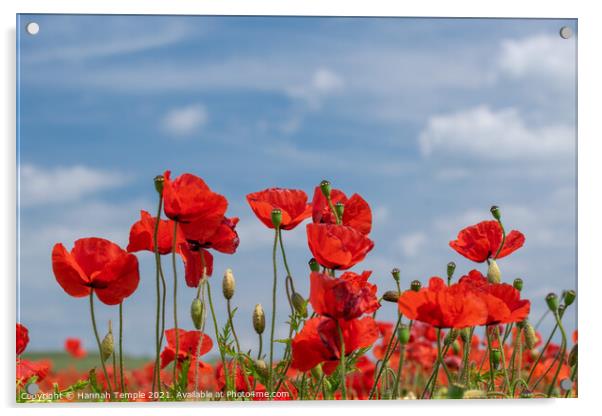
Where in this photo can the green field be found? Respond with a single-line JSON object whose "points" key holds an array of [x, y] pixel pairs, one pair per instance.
{"points": [[62, 360]]}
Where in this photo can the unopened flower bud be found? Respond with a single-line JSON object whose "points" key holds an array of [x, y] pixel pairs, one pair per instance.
{"points": [[107, 344], [451, 267], [494, 275], [530, 335], [518, 284], [326, 188], [552, 301], [569, 297], [258, 319], [455, 347], [339, 207], [396, 273], [495, 211], [276, 217], [262, 368], [159, 182], [415, 285], [496, 356], [573, 356], [391, 296], [299, 304], [317, 372], [197, 313], [451, 336], [404, 334], [465, 335], [228, 284], [314, 266]]}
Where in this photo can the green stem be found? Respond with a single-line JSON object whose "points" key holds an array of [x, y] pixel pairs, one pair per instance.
{"points": [[221, 351], [342, 341], [121, 347], [489, 354], [273, 323], [561, 354], [440, 357], [104, 368], [175, 301], [503, 239], [385, 357], [238, 358], [499, 340], [158, 331]]}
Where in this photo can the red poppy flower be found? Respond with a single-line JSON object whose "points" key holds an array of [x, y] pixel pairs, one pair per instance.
{"points": [[348, 297], [360, 382], [188, 198], [74, 347], [337, 246], [455, 306], [194, 259], [240, 383], [318, 342], [142, 235], [504, 304], [22, 338], [481, 241], [222, 237], [292, 203], [96, 264], [27, 369], [188, 344], [356, 212]]}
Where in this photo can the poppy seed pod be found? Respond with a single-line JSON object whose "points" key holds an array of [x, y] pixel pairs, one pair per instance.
{"points": [[496, 356], [197, 313], [569, 297], [339, 207], [518, 284], [326, 188], [107, 344], [396, 274], [404, 334], [494, 275], [314, 266], [530, 335], [276, 217], [451, 268], [159, 181], [299, 304], [573, 356], [495, 211], [391, 296], [228, 284], [258, 319], [552, 301], [415, 285]]}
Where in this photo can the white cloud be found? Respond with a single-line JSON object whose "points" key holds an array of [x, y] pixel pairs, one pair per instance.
{"points": [[184, 121], [411, 244], [323, 82], [64, 183], [538, 56], [497, 135]]}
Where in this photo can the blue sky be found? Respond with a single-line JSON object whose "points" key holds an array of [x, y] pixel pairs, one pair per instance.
{"points": [[431, 120]]}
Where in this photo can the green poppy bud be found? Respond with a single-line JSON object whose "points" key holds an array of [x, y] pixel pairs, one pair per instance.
{"points": [[391, 296], [451, 336], [552, 301], [573, 356], [228, 284], [339, 207], [159, 182], [396, 273], [314, 266], [107, 344], [530, 335], [569, 297], [456, 347], [258, 319], [495, 211], [451, 267], [494, 275], [326, 188], [404, 334], [518, 284], [299, 304], [415, 285], [317, 372], [276, 217], [197, 313], [465, 335], [496, 356], [262, 368]]}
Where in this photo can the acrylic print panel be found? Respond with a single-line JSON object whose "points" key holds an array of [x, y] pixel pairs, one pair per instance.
{"points": [[350, 208]]}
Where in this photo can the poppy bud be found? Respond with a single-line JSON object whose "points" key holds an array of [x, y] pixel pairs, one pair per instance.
{"points": [[276, 217], [573, 356], [552, 301], [339, 207], [396, 274], [107, 344], [325, 187], [495, 211], [569, 297], [258, 319], [314, 266], [391, 296], [300, 304], [494, 275], [456, 347], [404, 334], [465, 335], [530, 335], [415, 285], [456, 391], [496, 356], [451, 336], [262, 368], [159, 181], [451, 267], [228, 284], [317, 372], [197, 313], [518, 284]]}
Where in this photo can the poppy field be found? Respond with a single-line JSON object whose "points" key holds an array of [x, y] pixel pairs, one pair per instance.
{"points": [[468, 334]]}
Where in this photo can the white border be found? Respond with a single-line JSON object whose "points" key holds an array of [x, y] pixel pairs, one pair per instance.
{"points": [[590, 117]]}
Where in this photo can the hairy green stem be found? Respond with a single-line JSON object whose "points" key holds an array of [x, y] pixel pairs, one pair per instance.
{"points": [[92, 316]]}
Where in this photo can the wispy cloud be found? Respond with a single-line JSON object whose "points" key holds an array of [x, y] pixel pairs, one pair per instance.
{"points": [[411, 244], [185, 121]]}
